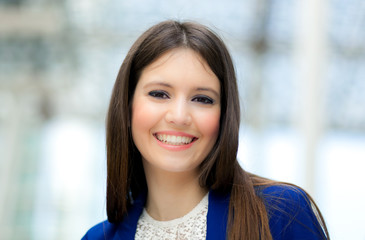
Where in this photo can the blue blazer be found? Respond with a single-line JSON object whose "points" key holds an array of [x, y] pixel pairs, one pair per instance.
{"points": [[289, 211]]}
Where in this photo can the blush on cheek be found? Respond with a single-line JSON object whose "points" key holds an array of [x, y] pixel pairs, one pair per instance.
{"points": [[141, 116], [210, 124], [138, 122]]}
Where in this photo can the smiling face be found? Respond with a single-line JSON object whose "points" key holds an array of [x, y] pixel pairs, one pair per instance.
{"points": [[176, 112]]}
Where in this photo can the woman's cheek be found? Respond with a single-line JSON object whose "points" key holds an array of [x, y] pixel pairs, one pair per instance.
{"points": [[209, 123], [142, 114]]}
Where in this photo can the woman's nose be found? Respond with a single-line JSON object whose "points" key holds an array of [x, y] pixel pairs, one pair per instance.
{"points": [[179, 113]]}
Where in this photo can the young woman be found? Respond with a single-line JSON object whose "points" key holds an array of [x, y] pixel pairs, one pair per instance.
{"points": [[172, 139]]}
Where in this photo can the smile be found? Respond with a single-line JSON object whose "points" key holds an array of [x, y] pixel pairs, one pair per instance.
{"points": [[174, 139]]}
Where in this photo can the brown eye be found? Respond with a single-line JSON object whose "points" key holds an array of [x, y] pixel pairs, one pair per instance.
{"points": [[159, 94], [203, 100]]}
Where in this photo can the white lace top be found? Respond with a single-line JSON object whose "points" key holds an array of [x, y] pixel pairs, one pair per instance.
{"points": [[191, 226]]}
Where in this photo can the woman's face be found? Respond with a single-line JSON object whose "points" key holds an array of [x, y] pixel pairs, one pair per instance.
{"points": [[176, 111]]}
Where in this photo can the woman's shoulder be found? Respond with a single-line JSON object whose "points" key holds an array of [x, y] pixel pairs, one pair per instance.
{"points": [[282, 191], [124, 229], [103, 230], [284, 200], [291, 212]]}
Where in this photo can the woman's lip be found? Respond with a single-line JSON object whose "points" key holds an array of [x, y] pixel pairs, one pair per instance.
{"points": [[171, 147], [174, 133]]}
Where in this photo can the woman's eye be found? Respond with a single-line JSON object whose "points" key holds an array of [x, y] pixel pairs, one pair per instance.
{"points": [[159, 94], [203, 99]]}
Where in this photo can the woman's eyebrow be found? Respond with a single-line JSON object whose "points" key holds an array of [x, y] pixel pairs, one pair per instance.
{"points": [[208, 90], [158, 84]]}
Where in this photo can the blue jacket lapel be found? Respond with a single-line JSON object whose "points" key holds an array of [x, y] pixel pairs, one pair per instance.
{"points": [[217, 216]]}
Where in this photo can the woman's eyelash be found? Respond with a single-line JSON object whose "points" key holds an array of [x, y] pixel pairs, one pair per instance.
{"points": [[164, 95], [203, 100], [159, 94]]}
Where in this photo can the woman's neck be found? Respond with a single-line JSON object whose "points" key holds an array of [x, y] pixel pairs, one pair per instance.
{"points": [[172, 195]]}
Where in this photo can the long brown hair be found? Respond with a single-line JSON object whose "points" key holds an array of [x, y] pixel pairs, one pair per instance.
{"points": [[220, 170]]}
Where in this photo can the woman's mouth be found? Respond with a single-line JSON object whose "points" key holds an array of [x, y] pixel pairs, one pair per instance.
{"points": [[174, 140]]}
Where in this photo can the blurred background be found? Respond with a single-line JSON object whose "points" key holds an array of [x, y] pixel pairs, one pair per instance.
{"points": [[301, 73]]}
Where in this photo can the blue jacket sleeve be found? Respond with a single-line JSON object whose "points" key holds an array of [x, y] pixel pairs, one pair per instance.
{"points": [[290, 214], [102, 231], [116, 231]]}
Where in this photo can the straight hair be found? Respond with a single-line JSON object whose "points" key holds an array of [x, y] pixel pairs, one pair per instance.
{"points": [[220, 170]]}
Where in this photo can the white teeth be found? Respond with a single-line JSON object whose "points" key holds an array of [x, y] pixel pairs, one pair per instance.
{"points": [[174, 140]]}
